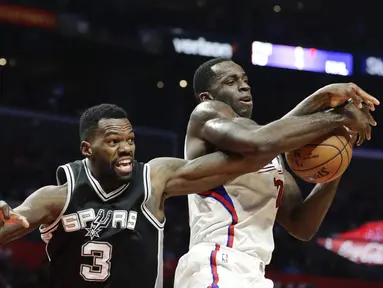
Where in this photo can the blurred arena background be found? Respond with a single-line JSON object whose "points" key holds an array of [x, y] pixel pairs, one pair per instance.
{"points": [[58, 57]]}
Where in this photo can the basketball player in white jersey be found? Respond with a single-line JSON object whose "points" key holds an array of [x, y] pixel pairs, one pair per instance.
{"points": [[231, 237]]}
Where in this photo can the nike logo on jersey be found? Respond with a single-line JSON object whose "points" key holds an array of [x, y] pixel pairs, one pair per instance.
{"points": [[94, 223]]}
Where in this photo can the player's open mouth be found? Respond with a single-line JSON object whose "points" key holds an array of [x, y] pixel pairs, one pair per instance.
{"points": [[124, 165], [246, 100]]}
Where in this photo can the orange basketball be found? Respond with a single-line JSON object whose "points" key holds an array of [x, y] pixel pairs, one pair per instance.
{"points": [[323, 160]]}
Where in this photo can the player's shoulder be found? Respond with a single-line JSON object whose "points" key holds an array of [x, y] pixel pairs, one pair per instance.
{"points": [[75, 167], [212, 109], [75, 164], [52, 198], [53, 190]]}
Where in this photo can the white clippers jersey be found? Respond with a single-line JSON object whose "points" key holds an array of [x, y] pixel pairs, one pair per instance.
{"points": [[241, 213]]}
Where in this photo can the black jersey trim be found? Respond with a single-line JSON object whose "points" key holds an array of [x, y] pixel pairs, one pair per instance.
{"points": [[70, 180], [148, 190], [97, 187]]}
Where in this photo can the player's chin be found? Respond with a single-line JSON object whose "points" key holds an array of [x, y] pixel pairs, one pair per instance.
{"points": [[124, 177], [246, 112], [244, 109]]}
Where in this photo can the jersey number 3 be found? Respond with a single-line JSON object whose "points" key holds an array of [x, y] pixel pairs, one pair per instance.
{"points": [[101, 252], [280, 186]]}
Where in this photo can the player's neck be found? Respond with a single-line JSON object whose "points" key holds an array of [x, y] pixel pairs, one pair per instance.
{"points": [[107, 184]]}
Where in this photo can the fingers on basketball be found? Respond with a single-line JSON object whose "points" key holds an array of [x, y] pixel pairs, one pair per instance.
{"points": [[324, 160]]}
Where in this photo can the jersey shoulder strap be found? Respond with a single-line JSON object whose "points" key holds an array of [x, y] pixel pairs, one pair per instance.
{"points": [[68, 173], [148, 194], [65, 174]]}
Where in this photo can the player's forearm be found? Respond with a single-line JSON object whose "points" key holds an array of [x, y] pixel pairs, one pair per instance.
{"points": [[309, 105], [205, 172], [308, 216], [294, 132], [244, 136], [12, 232]]}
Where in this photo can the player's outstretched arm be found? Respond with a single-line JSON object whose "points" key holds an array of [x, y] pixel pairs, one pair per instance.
{"points": [[40, 208], [334, 95], [173, 176], [293, 132]]}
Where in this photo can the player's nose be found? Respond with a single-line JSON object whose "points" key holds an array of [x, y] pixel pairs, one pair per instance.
{"points": [[124, 147], [244, 86]]}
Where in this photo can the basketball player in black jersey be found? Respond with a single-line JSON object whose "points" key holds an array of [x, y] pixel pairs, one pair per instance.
{"points": [[104, 220]]}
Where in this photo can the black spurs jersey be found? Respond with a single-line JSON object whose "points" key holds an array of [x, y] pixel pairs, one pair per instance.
{"points": [[104, 239]]}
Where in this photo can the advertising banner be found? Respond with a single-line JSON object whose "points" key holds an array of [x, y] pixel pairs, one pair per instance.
{"points": [[299, 58], [20, 15], [360, 245], [305, 281]]}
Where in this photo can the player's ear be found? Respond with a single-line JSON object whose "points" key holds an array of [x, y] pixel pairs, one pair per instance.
{"points": [[86, 149], [205, 96]]}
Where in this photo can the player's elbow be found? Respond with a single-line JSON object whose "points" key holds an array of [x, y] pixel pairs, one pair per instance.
{"points": [[297, 228], [305, 236], [302, 234]]}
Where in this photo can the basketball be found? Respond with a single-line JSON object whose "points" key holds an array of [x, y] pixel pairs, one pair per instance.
{"points": [[323, 160]]}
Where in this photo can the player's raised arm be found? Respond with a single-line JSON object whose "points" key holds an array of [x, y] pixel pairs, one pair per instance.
{"points": [[40, 208], [274, 138], [334, 95], [173, 176]]}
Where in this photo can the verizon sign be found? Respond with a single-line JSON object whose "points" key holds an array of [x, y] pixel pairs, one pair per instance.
{"points": [[202, 47]]}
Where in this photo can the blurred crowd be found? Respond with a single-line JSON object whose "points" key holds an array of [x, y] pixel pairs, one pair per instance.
{"points": [[27, 164]]}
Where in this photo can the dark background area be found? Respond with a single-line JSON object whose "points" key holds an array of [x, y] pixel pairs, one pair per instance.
{"points": [[80, 53]]}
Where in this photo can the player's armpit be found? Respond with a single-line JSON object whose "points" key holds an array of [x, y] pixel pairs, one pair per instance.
{"points": [[291, 200], [172, 176], [302, 218], [40, 208]]}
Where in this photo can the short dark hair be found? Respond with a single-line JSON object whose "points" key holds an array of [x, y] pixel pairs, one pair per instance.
{"points": [[204, 75], [91, 116]]}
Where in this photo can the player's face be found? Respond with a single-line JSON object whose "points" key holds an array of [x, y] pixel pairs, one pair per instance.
{"points": [[231, 87], [113, 149]]}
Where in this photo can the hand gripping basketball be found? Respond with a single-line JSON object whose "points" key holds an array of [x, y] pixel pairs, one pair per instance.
{"points": [[8, 216], [323, 160]]}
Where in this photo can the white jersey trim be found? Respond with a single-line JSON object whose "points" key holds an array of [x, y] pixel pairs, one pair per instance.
{"points": [[47, 232], [160, 259], [152, 219], [70, 180], [148, 194], [97, 187]]}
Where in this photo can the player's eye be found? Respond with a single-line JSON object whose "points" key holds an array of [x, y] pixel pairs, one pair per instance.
{"points": [[112, 142]]}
